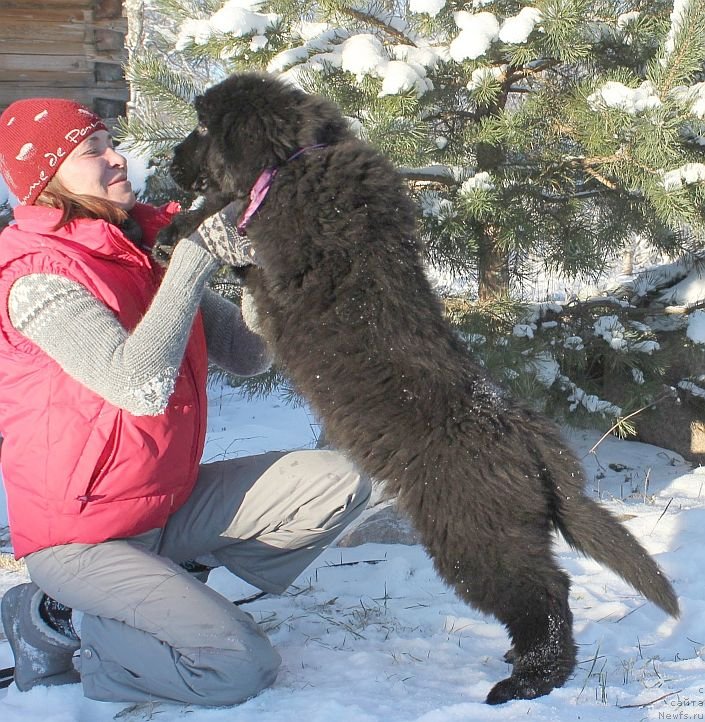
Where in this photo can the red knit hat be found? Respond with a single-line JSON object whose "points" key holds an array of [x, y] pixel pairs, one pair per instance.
{"points": [[36, 135]]}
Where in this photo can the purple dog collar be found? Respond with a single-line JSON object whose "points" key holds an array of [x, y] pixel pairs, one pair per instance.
{"points": [[261, 187], [257, 195]]}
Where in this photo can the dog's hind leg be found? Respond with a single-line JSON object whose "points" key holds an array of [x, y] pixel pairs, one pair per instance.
{"points": [[518, 581], [539, 621]]}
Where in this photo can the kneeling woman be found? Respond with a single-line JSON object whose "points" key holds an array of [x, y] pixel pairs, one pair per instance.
{"points": [[103, 363]]}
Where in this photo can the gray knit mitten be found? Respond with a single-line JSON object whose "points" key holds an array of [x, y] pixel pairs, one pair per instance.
{"points": [[219, 235]]}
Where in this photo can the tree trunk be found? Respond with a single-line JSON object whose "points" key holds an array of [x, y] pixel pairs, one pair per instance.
{"points": [[492, 267], [492, 262], [628, 262], [134, 12]]}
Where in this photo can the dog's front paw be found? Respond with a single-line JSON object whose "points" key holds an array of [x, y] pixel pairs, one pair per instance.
{"points": [[181, 226], [164, 243]]}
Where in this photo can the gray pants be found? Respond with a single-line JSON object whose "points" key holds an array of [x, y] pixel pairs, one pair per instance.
{"points": [[150, 630]]}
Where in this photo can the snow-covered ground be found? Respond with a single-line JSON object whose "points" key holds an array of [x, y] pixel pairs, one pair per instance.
{"points": [[371, 634]]}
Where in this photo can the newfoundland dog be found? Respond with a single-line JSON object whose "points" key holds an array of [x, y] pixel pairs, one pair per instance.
{"points": [[344, 301]]}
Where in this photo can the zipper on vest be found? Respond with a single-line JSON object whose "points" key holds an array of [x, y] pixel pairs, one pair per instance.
{"points": [[197, 407], [104, 460]]}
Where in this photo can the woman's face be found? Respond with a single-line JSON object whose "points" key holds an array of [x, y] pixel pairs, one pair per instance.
{"points": [[95, 168]]}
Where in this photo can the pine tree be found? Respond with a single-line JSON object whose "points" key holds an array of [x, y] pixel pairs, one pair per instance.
{"points": [[554, 132]]}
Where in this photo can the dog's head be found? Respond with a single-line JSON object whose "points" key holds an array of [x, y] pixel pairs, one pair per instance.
{"points": [[249, 122]]}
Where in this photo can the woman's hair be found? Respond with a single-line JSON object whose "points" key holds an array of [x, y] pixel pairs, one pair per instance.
{"points": [[73, 206]]}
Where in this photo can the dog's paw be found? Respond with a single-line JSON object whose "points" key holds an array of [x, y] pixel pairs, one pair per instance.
{"points": [[518, 687], [533, 675], [162, 253], [171, 234]]}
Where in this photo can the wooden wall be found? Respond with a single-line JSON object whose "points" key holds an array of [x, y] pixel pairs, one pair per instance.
{"points": [[64, 48]]}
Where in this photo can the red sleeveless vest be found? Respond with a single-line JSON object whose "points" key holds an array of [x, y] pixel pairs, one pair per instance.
{"points": [[75, 467]]}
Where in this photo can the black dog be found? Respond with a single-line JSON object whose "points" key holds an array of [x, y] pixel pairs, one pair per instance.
{"points": [[346, 305]]}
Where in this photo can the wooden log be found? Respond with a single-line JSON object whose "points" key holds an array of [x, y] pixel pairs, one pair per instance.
{"points": [[107, 41], [40, 46], [107, 9], [28, 67], [30, 18], [42, 6], [80, 93], [63, 48], [24, 22]]}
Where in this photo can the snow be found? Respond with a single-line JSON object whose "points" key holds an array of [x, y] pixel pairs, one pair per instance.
{"points": [[138, 169], [258, 42], [612, 331], [477, 32], [684, 175], [680, 7], [371, 634], [196, 30], [517, 29], [237, 18], [626, 19], [546, 368], [481, 75], [400, 77], [426, 57], [692, 388], [594, 404], [287, 58], [524, 330], [430, 7], [696, 326], [631, 100], [434, 205], [690, 290], [479, 182], [362, 54], [574, 342], [694, 94]]}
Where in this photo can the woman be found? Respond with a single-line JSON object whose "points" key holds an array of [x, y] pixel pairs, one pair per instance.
{"points": [[103, 361]]}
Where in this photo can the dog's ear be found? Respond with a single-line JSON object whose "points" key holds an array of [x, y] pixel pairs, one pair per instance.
{"points": [[256, 121], [321, 122], [252, 141], [279, 116]]}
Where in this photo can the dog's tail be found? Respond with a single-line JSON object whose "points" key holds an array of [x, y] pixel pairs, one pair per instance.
{"points": [[591, 529]]}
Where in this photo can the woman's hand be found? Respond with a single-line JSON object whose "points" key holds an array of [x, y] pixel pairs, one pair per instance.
{"points": [[218, 234]]}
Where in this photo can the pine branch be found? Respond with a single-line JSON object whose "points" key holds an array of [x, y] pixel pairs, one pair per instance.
{"points": [[678, 67], [151, 137], [377, 22], [621, 421], [435, 174], [153, 77]]}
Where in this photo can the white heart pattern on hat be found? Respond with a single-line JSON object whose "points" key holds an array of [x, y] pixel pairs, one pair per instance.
{"points": [[25, 151]]}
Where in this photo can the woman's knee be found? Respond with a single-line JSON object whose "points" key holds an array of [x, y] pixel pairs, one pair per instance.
{"points": [[222, 678], [338, 473], [121, 663]]}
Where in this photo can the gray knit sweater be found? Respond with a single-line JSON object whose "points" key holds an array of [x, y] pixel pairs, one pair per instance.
{"points": [[136, 370]]}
